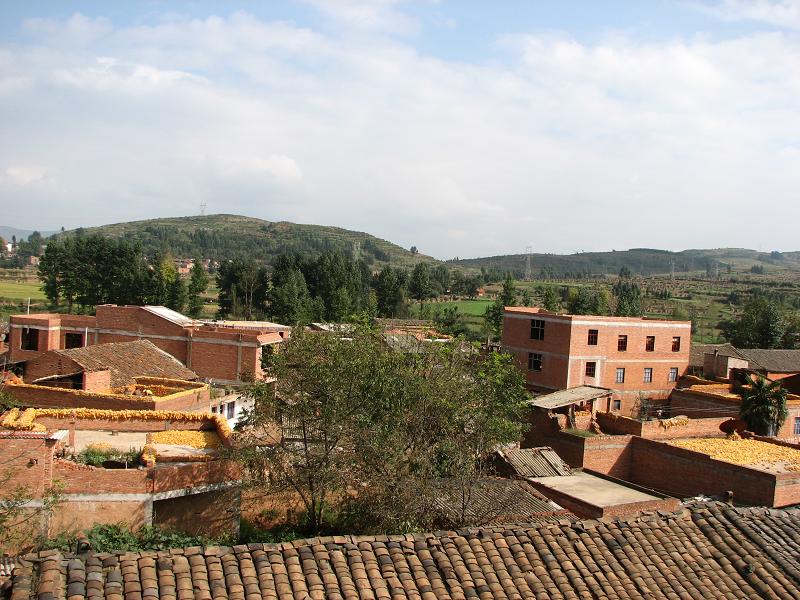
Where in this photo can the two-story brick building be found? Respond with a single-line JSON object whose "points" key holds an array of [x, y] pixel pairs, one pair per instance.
{"points": [[635, 357], [225, 351]]}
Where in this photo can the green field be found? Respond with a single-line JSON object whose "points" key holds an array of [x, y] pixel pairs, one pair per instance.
{"points": [[21, 291]]}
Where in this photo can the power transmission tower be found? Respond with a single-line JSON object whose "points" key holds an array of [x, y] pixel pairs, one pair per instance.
{"points": [[356, 250], [203, 206], [528, 274]]}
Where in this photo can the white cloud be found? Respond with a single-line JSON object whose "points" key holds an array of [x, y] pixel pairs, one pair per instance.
{"points": [[22, 175], [555, 143], [779, 13]]}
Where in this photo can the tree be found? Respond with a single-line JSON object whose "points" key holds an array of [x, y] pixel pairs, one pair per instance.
{"points": [[493, 316], [763, 405], [420, 285], [762, 324], [198, 284], [414, 250], [243, 289], [628, 297], [390, 290], [450, 321], [550, 300], [368, 434]]}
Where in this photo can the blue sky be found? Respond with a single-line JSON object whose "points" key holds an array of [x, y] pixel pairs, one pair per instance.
{"points": [[464, 128]]}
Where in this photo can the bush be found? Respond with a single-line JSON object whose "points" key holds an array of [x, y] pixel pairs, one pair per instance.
{"points": [[95, 455], [120, 537]]}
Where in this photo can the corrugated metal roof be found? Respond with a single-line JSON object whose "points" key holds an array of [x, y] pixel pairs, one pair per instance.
{"points": [[535, 462], [170, 315], [575, 395]]}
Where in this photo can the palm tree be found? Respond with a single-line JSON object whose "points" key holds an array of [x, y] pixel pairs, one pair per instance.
{"points": [[763, 405]]}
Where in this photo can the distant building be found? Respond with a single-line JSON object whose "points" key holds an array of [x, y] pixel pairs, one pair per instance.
{"points": [[635, 357], [225, 351], [723, 361]]}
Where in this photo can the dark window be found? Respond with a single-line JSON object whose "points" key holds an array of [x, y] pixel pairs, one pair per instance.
{"points": [[537, 329], [534, 362], [673, 374], [648, 375], [73, 340], [230, 407], [650, 343], [676, 344], [620, 375], [591, 367], [622, 343], [592, 337], [797, 425], [30, 339], [617, 404]]}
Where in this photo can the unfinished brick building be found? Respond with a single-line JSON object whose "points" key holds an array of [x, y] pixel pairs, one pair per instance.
{"points": [[225, 351], [177, 484], [634, 357]]}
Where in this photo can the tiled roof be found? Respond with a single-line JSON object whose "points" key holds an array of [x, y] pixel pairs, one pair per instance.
{"points": [[773, 361], [127, 360], [496, 500], [705, 553], [698, 351], [535, 462], [575, 395]]}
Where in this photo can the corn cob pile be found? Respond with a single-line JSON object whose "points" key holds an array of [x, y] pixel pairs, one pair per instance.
{"points": [[744, 451], [193, 439]]}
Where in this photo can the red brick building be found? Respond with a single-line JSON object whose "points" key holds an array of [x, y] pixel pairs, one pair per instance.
{"points": [[634, 357], [178, 485], [225, 351]]}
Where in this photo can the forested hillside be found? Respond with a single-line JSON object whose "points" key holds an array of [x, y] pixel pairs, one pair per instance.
{"points": [[642, 261], [224, 237]]}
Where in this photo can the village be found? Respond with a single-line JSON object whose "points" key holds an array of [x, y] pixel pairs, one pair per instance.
{"points": [[624, 419]]}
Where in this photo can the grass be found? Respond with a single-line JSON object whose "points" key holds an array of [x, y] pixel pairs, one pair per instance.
{"points": [[21, 291]]}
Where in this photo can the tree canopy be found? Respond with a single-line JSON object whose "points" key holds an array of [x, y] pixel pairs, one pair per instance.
{"points": [[372, 436]]}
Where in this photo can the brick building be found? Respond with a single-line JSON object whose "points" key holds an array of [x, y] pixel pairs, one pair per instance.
{"points": [[225, 351], [177, 484], [634, 357]]}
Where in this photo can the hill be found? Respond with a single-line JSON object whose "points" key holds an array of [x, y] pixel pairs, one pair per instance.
{"points": [[222, 237], [21, 234], [643, 261]]}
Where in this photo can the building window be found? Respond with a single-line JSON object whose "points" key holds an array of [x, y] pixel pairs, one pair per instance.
{"points": [[534, 362], [73, 340], [30, 339], [650, 343], [673, 374], [590, 369], [230, 406], [537, 329], [617, 404], [797, 425], [592, 337], [648, 375], [620, 375], [622, 343], [214, 410], [676, 344]]}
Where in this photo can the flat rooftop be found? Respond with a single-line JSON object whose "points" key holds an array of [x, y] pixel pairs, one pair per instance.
{"points": [[595, 490], [763, 456]]}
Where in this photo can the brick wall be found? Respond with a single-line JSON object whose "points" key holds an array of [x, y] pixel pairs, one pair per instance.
{"points": [[211, 513], [40, 396], [73, 515], [126, 424], [83, 479], [180, 476], [653, 430], [699, 404], [48, 364], [685, 473], [97, 381], [29, 461]]}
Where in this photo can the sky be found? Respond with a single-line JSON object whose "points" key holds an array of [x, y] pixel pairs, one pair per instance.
{"points": [[466, 128]]}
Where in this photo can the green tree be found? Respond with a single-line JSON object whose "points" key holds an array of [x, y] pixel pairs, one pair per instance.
{"points": [[242, 288], [550, 300], [628, 299], [368, 434], [390, 291], [493, 317], [198, 284], [420, 285], [763, 406], [762, 324]]}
